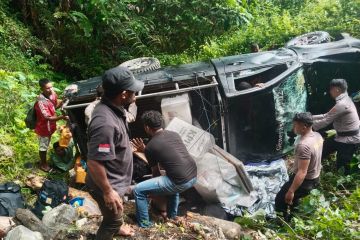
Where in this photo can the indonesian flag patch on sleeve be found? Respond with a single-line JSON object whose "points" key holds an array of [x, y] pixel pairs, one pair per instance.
{"points": [[105, 148]]}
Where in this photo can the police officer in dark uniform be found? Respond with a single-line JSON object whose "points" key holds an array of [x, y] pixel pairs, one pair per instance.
{"points": [[345, 120]]}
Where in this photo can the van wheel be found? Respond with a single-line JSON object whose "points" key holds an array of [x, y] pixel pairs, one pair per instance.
{"points": [[309, 39], [143, 64]]}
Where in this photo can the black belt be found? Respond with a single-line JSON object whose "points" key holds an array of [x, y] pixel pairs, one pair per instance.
{"points": [[348, 133]]}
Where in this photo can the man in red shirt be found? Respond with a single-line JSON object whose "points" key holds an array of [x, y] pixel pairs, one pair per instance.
{"points": [[46, 118]]}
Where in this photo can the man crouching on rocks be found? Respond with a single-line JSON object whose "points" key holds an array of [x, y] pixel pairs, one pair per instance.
{"points": [[167, 150], [110, 159]]}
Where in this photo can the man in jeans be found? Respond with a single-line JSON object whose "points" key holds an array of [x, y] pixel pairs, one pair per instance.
{"points": [[46, 119], [167, 150], [110, 159], [307, 166]]}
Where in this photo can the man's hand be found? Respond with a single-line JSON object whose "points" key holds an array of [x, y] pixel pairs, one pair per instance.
{"points": [[260, 85], [64, 117], [289, 197], [138, 145], [113, 201]]}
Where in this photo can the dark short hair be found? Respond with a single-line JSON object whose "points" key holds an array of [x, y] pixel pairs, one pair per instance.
{"points": [[43, 82], [244, 85], [339, 83], [305, 118], [152, 119], [56, 145]]}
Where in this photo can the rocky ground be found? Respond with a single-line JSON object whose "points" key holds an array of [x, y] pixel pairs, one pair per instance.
{"points": [[66, 223]]}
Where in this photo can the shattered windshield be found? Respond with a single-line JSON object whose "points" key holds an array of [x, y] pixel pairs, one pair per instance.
{"points": [[261, 123], [290, 98]]}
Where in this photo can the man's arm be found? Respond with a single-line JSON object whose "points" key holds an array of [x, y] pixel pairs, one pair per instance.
{"points": [[56, 118], [98, 174], [303, 165], [139, 146], [46, 115], [318, 117], [321, 121], [59, 103]]}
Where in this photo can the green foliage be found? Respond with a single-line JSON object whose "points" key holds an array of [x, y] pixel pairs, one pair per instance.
{"points": [[323, 219], [330, 212], [256, 221], [87, 37], [84, 37], [276, 22], [21, 66], [14, 86], [18, 48], [189, 23], [18, 91]]}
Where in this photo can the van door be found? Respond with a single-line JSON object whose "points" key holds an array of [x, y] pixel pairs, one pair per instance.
{"points": [[259, 120]]}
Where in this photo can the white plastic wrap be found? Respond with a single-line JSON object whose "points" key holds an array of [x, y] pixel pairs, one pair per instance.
{"points": [[218, 181], [267, 179]]}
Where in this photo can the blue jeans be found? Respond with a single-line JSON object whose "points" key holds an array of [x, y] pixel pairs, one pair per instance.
{"points": [[158, 186]]}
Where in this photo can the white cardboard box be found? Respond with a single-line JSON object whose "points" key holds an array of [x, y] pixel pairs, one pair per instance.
{"points": [[196, 140]]}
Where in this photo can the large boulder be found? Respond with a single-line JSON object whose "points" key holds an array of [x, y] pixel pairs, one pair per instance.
{"points": [[90, 206], [32, 222], [23, 233], [60, 217], [230, 230]]}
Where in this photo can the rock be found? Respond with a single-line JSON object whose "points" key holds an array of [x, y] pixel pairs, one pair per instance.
{"points": [[34, 182], [6, 151], [90, 206], [6, 223], [23, 233], [60, 217], [80, 223], [91, 226], [32, 222], [207, 229], [86, 231], [230, 230], [71, 235]]}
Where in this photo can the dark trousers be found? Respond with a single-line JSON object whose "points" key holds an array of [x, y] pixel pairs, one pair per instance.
{"points": [[344, 153], [111, 222], [302, 191]]}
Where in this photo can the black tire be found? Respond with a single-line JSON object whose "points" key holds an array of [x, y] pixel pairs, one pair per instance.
{"points": [[144, 64], [309, 39]]}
